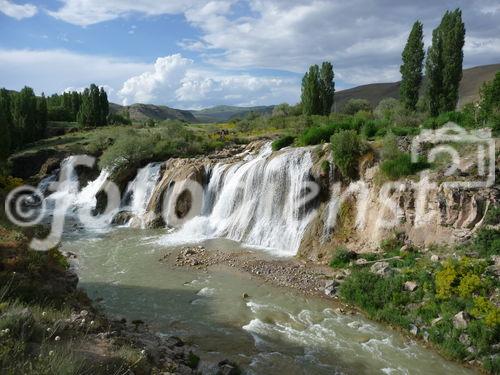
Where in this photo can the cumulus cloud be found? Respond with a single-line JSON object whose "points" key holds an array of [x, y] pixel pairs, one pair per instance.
{"points": [[162, 80], [17, 11], [178, 81]]}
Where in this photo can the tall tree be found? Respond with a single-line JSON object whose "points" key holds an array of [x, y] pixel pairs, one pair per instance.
{"points": [[311, 104], [41, 123], [411, 69], [453, 56], [24, 116], [444, 63], [326, 87], [5, 124], [103, 107]]}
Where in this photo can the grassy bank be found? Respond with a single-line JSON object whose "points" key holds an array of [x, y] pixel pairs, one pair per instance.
{"points": [[446, 297]]}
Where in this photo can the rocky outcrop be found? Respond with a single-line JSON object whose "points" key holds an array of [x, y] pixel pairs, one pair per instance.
{"points": [[41, 162], [360, 214]]}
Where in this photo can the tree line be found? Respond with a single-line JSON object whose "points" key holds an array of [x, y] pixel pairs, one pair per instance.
{"points": [[443, 68], [24, 116]]}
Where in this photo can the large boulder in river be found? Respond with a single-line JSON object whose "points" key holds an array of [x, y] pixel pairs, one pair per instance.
{"points": [[181, 179]]}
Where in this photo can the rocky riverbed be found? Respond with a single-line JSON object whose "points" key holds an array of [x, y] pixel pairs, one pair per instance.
{"points": [[306, 277]]}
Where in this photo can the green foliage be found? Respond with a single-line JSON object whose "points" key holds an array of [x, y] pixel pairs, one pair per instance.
{"points": [[355, 105], [326, 87], [64, 107], [460, 278], [444, 63], [94, 107], [388, 108], [487, 242], [118, 119], [318, 90], [402, 166], [342, 257], [311, 103], [490, 103], [347, 147], [5, 125], [411, 69], [484, 309], [281, 142]]}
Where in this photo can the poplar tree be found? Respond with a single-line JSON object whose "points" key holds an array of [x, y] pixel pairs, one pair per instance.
{"points": [[444, 63], [411, 69], [311, 104], [327, 87], [5, 124]]}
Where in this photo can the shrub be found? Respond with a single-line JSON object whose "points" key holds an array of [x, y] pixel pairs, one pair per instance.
{"points": [[402, 166], [316, 135], [387, 108], [487, 242], [355, 105], [284, 141], [347, 147], [484, 309], [342, 257]]}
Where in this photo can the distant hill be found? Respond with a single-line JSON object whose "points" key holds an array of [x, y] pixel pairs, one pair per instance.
{"points": [[223, 113], [143, 112], [472, 80]]}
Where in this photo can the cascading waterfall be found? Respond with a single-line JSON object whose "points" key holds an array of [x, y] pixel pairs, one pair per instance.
{"points": [[259, 201], [140, 190], [68, 189]]}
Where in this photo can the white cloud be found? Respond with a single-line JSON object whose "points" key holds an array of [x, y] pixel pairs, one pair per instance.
{"points": [[163, 79], [89, 12], [17, 11], [177, 81], [55, 70]]}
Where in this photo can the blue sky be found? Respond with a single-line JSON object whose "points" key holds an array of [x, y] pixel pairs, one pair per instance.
{"points": [[195, 53]]}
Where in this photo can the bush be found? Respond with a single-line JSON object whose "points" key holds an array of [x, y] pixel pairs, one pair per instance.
{"points": [[284, 141], [316, 135], [387, 108], [347, 147], [353, 106], [402, 166], [487, 242], [342, 257]]}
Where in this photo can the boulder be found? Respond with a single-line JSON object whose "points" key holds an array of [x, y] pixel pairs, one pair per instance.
{"points": [[464, 339], [360, 262], [436, 321], [122, 218], [331, 287], [227, 367], [381, 268], [414, 330], [435, 258], [461, 320], [410, 286]]}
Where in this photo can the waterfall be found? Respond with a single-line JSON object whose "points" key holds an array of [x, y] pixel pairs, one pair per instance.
{"points": [[260, 201], [140, 190], [68, 189]]}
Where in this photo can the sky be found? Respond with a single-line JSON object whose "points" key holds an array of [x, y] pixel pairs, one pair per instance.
{"points": [[194, 54]]}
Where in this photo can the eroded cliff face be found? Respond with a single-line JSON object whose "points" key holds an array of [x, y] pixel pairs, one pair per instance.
{"points": [[362, 213]]}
